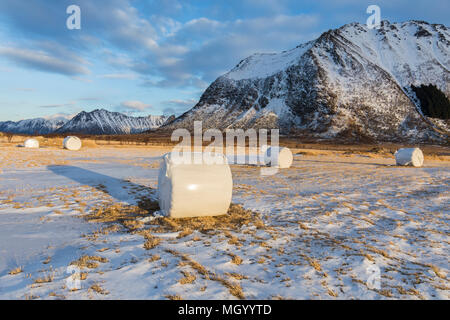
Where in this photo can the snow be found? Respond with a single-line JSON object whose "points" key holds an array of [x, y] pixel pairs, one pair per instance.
{"points": [[398, 51], [327, 220], [97, 121], [263, 65], [410, 59], [31, 126]]}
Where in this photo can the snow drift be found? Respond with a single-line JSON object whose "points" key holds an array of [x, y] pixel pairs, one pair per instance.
{"points": [[190, 189]]}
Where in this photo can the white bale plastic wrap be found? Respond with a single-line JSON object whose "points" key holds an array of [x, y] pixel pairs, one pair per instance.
{"points": [[282, 157], [194, 190], [31, 143], [72, 143], [409, 157]]}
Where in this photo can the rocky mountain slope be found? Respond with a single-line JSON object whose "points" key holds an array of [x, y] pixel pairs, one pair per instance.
{"points": [[101, 121], [351, 82], [95, 122], [32, 126]]}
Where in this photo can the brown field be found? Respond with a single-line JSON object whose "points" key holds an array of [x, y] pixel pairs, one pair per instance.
{"points": [[297, 144]]}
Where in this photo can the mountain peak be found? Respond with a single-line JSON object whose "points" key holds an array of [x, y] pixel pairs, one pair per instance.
{"points": [[348, 82]]}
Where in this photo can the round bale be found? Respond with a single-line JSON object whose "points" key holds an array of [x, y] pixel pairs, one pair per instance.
{"points": [[192, 188], [409, 157], [31, 143], [278, 157], [72, 143]]}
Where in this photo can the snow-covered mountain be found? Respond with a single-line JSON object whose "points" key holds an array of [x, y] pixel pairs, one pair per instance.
{"points": [[33, 126], [350, 82], [95, 122], [101, 121]]}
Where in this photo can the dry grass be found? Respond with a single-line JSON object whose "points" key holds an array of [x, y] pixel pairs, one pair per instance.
{"points": [[234, 288], [83, 275], [98, 289], [236, 259], [16, 271], [185, 233], [45, 279], [151, 243], [173, 297], [236, 218], [90, 262], [188, 278], [236, 276], [154, 258]]}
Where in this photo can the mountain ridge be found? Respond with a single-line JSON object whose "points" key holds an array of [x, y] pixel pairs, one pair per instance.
{"points": [[350, 81], [98, 121]]}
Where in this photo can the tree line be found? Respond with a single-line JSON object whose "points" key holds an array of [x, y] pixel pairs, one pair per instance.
{"points": [[433, 102]]}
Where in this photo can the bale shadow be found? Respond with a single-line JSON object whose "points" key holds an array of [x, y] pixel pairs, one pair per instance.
{"points": [[119, 189]]}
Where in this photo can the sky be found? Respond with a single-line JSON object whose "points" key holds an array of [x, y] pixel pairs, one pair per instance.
{"points": [[156, 57]]}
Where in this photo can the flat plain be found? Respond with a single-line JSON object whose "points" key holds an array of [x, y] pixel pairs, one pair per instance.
{"points": [[336, 225]]}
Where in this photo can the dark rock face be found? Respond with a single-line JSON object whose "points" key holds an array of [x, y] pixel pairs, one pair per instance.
{"points": [[347, 82]]}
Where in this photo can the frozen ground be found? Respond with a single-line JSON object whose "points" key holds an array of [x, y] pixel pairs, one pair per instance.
{"points": [[324, 229]]}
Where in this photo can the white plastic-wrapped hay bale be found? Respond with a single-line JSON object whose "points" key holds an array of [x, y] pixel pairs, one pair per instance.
{"points": [[409, 157], [31, 143], [72, 143], [278, 157], [189, 189]]}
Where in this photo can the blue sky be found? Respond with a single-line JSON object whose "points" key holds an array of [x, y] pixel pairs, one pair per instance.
{"points": [[155, 57]]}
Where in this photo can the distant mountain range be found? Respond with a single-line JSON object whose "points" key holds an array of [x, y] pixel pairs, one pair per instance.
{"points": [[351, 82], [32, 126], [99, 122]]}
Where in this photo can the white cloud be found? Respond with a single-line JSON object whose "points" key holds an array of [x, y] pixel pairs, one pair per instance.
{"points": [[181, 102], [118, 76], [135, 105], [43, 61], [60, 105], [60, 116]]}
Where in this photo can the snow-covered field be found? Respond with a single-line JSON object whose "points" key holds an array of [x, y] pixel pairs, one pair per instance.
{"points": [[329, 227]]}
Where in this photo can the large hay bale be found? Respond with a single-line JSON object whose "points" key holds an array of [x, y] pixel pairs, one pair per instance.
{"points": [[72, 143], [278, 157], [31, 143], [409, 157], [190, 189]]}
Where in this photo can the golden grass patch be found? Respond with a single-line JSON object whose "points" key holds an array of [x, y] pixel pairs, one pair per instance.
{"points": [[98, 289], [188, 278], [16, 271], [173, 297], [234, 288], [151, 243], [236, 259], [45, 279], [90, 262]]}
